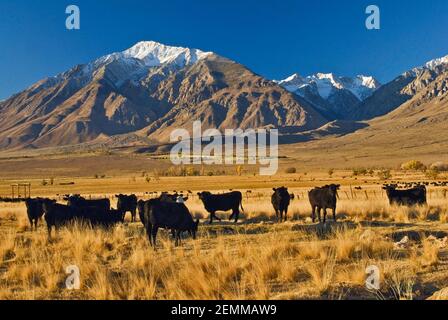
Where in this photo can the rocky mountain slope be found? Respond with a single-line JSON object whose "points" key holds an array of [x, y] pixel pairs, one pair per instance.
{"points": [[146, 91], [402, 89]]}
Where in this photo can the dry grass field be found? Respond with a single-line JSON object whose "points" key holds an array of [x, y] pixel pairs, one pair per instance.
{"points": [[256, 259]]}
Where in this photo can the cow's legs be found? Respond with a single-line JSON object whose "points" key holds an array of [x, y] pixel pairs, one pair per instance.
{"points": [[148, 233], [178, 238], [49, 232], [154, 235], [319, 210], [325, 215], [236, 215], [213, 216], [277, 215], [36, 222], [31, 223], [334, 214], [286, 214]]}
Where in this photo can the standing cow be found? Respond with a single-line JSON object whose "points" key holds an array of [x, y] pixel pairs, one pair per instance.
{"points": [[58, 215], [127, 204], [34, 211], [222, 202], [322, 199], [280, 201], [172, 216]]}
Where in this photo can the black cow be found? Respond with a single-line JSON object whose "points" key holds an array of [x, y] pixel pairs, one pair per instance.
{"points": [[409, 197], [58, 215], [76, 201], [280, 201], [127, 204], [322, 199], [34, 211], [141, 208], [165, 197], [173, 216], [222, 202]]}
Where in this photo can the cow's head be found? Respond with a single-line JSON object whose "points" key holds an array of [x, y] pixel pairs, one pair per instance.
{"points": [[181, 199], [283, 191], [204, 195], [334, 188]]}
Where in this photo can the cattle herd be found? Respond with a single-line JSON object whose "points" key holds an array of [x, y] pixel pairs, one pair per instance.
{"points": [[169, 211]]}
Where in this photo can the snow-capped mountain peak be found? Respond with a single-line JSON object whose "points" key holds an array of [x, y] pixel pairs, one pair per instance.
{"points": [[133, 63], [155, 54], [436, 62], [430, 65], [325, 84]]}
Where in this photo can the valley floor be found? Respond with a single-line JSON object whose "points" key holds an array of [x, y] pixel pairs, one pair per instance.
{"points": [[256, 259]]}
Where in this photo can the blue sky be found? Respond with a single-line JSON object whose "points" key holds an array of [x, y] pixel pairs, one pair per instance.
{"points": [[274, 38]]}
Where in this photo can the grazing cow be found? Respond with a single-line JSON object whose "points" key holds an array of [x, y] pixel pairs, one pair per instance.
{"points": [[322, 199], [173, 216], [34, 211], [280, 201], [76, 201], [222, 202], [127, 204], [164, 198], [409, 197]]}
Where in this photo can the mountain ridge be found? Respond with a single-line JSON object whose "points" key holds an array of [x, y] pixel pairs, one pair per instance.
{"points": [[141, 94], [149, 85]]}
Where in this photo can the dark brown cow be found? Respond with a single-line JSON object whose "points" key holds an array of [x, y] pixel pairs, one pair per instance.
{"points": [[322, 199]]}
